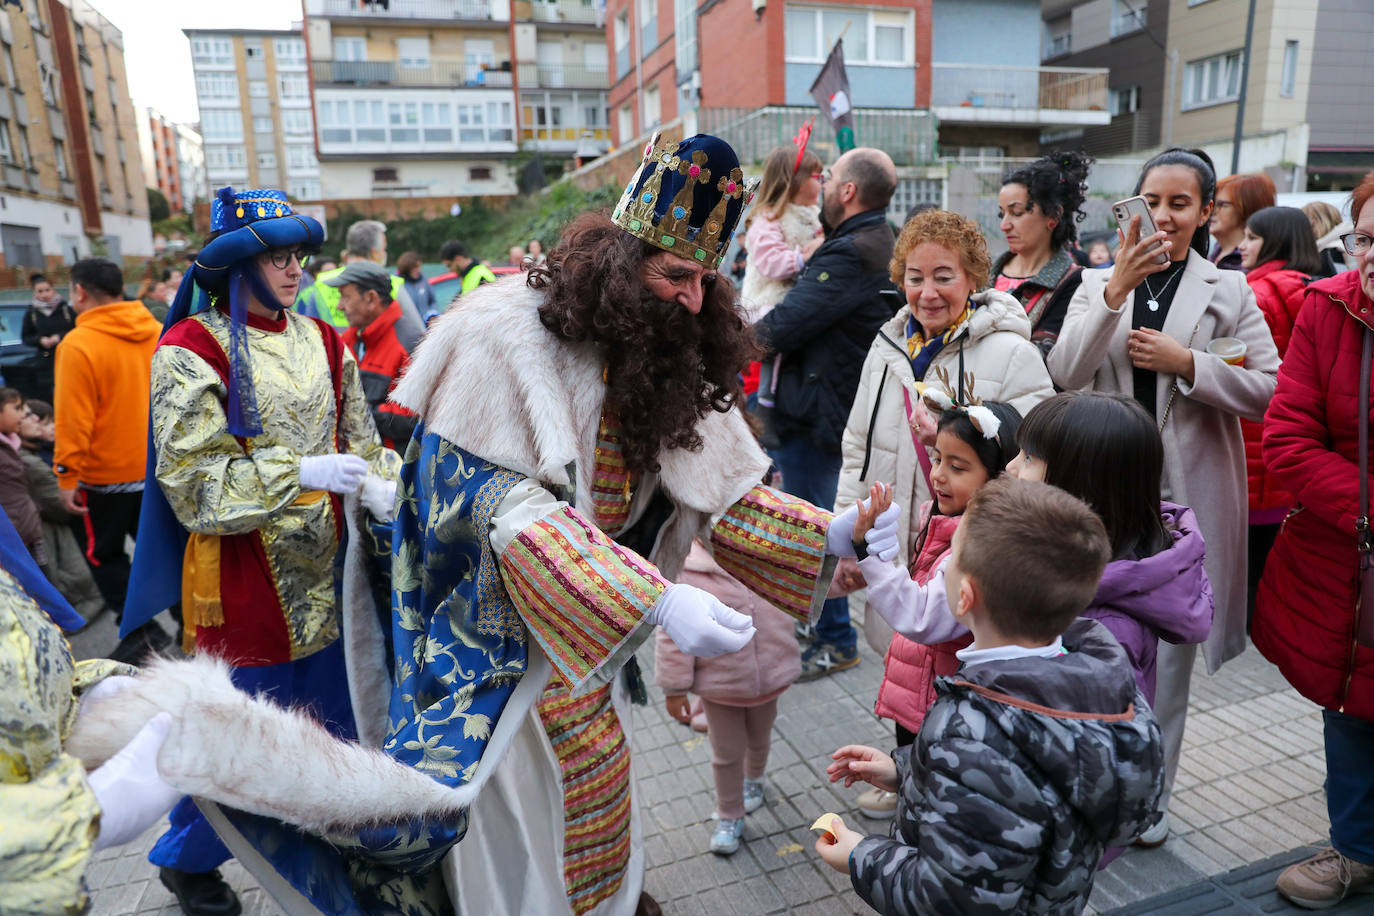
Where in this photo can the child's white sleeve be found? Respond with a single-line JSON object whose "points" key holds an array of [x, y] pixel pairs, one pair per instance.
{"points": [[919, 612]]}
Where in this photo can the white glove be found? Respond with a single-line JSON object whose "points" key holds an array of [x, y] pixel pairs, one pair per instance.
{"points": [[335, 473], [379, 497], [131, 794], [699, 623], [881, 538]]}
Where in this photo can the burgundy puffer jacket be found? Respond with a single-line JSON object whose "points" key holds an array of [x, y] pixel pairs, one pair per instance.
{"points": [[910, 668], [1305, 612], [1280, 294]]}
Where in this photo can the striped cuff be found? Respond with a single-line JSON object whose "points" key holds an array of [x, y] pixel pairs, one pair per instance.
{"points": [[581, 595], [775, 545]]}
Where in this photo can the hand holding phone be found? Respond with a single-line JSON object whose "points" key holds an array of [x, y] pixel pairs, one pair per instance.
{"points": [[1144, 250], [1124, 211]]}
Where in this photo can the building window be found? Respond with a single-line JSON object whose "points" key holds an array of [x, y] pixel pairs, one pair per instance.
{"points": [[7, 54], [479, 173], [437, 119], [874, 37], [622, 44], [1288, 80], [212, 51], [225, 158], [404, 119], [218, 124], [59, 155], [307, 189], [648, 26], [478, 55], [1212, 81], [217, 87], [6, 150], [1058, 37], [24, 147], [1123, 101], [267, 160], [385, 175], [1127, 16], [295, 121], [685, 34], [262, 125], [293, 86], [653, 108], [257, 89], [591, 116], [252, 48], [289, 50], [413, 53], [300, 156], [625, 122], [351, 49]]}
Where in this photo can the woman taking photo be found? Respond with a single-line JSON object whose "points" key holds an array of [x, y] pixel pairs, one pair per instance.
{"points": [[1238, 198], [1038, 205], [1142, 328], [1280, 259], [952, 328], [1309, 616]]}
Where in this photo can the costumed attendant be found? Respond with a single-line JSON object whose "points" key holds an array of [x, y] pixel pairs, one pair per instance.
{"points": [[53, 813], [578, 431], [259, 424]]}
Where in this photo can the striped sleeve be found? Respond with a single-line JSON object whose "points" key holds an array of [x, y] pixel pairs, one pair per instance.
{"points": [[775, 545], [581, 595]]}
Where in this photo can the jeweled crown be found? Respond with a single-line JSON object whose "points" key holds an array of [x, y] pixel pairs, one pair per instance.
{"points": [[686, 197]]}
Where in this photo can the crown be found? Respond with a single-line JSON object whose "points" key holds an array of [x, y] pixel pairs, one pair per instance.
{"points": [[232, 209], [686, 197]]}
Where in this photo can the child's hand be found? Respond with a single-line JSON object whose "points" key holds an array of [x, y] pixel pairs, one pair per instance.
{"points": [[836, 854], [855, 762], [879, 498], [678, 707]]}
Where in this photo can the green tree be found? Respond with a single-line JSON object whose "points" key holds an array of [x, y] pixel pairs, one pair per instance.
{"points": [[158, 208]]}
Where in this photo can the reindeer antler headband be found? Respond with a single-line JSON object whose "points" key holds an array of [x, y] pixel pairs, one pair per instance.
{"points": [[946, 397]]}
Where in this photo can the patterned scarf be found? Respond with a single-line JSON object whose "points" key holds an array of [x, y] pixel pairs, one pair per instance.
{"points": [[922, 351]]}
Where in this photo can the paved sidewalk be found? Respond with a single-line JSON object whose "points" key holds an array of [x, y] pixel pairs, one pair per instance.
{"points": [[1249, 789]]}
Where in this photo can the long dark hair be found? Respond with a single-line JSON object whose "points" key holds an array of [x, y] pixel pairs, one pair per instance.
{"points": [[1104, 449], [1206, 172], [1287, 235], [665, 367], [1058, 185]]}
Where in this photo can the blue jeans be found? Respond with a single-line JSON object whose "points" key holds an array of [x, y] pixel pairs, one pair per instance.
{"points": [[1350, 784], [317, 681], [814, 476]]}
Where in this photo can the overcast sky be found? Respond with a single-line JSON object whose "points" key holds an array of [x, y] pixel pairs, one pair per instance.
{"points": [[158, 56]]}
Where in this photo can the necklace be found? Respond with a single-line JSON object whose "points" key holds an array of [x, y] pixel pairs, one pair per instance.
{"points": [[1153, 301]]}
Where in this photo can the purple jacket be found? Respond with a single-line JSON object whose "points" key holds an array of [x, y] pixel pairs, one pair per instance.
{"points": [[1166, 596]]}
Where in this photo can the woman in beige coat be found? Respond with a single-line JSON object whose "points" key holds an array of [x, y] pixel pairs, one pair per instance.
{"points": [[1141, 328]]}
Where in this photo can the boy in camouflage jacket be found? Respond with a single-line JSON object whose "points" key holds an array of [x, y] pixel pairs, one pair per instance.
{"points": [[1037, 755]]}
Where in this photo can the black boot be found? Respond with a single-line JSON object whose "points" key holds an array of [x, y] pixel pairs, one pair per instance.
{"points": [[147, 639], [201, 893]]}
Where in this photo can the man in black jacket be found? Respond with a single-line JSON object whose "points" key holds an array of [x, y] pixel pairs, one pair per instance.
{"points": [[823, 328]]}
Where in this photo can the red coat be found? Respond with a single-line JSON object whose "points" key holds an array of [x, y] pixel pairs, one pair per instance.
{"points": [[1305, 612], [380, 365], [1280, 294]]}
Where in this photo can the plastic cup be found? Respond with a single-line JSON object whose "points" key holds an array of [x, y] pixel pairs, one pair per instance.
{"points": [[1230, 349]]}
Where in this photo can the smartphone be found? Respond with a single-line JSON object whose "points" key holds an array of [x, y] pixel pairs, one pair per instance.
{"points": [[1123, 210]]}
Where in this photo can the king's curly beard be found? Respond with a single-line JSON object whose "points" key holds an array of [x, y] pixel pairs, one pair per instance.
{"points": [[665, 367]]}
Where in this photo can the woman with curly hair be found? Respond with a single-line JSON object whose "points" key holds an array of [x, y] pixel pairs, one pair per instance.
{"points": [[952, 328], [1038, 205]]}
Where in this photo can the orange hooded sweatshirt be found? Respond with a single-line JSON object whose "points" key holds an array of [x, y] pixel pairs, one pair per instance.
{"points": [[102, 375]]}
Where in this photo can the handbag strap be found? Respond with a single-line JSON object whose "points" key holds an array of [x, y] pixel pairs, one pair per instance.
{"points": [[1362, 520]]}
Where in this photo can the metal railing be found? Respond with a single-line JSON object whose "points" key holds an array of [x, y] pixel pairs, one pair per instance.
{"points": [[474, 10], [907, 135], [563, 11], [984, 86], [562, 76], [393, 73]]}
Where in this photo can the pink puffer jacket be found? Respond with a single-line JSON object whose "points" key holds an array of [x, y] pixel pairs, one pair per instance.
{"points": [[759, 672], [910, 669]]}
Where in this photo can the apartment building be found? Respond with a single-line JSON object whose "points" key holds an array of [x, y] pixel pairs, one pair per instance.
{"points": [[253, 91], [966, 61], [173, 160], [70, 166], [562, 77], [1341, 143]]}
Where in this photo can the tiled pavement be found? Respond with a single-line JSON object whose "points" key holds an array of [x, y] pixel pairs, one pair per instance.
{"points": [[1249, 788]]}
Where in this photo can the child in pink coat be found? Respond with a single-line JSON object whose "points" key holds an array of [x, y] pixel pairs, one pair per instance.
{"points": [[739, 690]]}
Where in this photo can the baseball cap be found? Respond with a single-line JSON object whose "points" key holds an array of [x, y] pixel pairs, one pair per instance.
{"points": [[365, 275]]}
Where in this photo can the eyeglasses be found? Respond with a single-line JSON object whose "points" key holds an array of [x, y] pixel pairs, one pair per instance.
{"points": [[281, 258], [822, 177], [1356, 243], [1223, 204]]}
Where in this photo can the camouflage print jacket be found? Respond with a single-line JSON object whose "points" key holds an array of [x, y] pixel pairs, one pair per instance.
{"points": [[1024, 771]]}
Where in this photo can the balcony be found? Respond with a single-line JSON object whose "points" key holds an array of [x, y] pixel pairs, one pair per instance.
{"points": [[993, 95], [559, 11], [433, 10], [907, 135], [390, 73], [562, 76]]}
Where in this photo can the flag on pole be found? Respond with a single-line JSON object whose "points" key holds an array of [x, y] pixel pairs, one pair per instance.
{"points": [[831, 92]]}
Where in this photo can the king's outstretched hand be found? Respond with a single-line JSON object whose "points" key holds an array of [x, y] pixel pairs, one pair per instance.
{"points": [[699, 623]]}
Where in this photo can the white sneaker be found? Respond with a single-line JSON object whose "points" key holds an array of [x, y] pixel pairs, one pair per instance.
{"points": [[753, 795], [1156, 835], [725, 841], [878, 804]]}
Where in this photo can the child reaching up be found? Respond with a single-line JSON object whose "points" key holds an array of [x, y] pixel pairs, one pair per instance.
{"points": [[739, 691], [1038, 754], [972, 445]]}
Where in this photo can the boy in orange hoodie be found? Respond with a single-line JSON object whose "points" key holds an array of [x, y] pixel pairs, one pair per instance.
{"points": [[102, 379]]}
